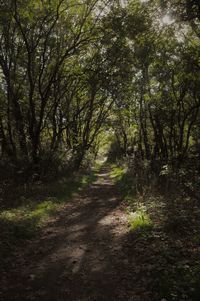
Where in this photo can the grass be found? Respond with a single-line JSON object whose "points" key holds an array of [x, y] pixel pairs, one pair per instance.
{"points": [[165, 230], [117, 172], [124, 181], [137, 217], [24, 221], [66, 187], [139, 220], [173, 239]]}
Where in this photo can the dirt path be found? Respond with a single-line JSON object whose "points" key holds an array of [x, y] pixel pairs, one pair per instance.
{"points": [[83, 254]]}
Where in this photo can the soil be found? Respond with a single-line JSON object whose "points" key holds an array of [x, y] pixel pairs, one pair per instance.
{"points": [[84, 253]]}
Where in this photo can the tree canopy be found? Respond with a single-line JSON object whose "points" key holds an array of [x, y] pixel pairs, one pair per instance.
{"points": [[70, 69]]}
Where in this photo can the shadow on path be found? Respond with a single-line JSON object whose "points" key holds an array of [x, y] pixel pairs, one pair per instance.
{"points": [[83, 253]]}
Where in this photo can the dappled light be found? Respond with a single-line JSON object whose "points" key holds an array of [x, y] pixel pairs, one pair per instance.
{"points": [[99, 150], [167, 19]]}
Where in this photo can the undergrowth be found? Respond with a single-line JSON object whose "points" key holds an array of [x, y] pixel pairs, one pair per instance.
{"points": [[24, 221], [139, 220], [167, 226]]}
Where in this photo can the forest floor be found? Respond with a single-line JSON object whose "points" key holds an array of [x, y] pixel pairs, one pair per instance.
{"points": [[86, 252]]}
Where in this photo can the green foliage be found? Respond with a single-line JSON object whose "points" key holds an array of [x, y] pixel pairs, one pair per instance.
{"points": [[180, 281], [75, 72], [117, 172], [114, 153], [139, 220], [25, 221], [82, 80]]}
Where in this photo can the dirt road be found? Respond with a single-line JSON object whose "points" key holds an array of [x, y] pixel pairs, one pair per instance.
{"points": [[83, 254]]}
